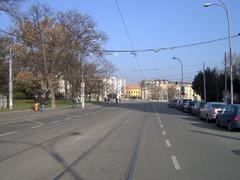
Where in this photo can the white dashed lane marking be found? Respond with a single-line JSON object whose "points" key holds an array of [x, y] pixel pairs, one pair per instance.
{"points": [[54, 122], [175, 163], [168, 143], [33, 127], [161, 126], [164, 133], [5, 134]]}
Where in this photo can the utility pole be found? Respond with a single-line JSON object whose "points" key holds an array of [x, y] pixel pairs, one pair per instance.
{"points": [[225, 73], [10, 98], [82, 91], [204, 83]]}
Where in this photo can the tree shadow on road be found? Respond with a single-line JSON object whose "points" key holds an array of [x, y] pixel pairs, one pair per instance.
{"points": [[217, 135], [236, 152], [47, 147]]}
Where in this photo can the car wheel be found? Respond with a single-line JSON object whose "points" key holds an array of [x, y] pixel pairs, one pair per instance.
{"points": [[229, 126], [207, 119]]}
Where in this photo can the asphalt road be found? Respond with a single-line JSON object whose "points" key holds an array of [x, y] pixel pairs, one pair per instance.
{"points": [[137, 140]]}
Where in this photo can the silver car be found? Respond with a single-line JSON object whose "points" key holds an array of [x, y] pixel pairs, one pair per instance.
{"points": [[210, 110]]}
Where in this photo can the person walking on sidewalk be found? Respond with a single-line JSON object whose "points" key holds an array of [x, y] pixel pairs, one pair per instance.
{"points": [[74, 102], [36, 103], [42, 102]]}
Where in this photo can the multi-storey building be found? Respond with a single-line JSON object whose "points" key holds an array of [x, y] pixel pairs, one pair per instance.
{"points": [[164, 90], [114, 85], [133, 91]]}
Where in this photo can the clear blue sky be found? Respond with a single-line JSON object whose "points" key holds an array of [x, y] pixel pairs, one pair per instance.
{"points": [[156, 24]]}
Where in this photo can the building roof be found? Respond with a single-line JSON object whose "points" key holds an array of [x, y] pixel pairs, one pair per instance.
{"points": [[133, 86]]}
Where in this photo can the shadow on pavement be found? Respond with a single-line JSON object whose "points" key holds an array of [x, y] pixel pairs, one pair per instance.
{"points": [[236, 152], [49, 149], [217, 135]]}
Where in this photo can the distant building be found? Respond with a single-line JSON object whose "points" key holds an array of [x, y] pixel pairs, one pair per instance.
{"points": [[164, 90], [114, 85], [133, 91], [64, 88]]}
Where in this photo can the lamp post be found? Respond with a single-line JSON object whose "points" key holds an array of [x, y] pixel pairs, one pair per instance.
{"points": [[179, 60], [221, 4]]}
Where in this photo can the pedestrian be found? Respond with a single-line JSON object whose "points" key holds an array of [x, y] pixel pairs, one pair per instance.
{"points": [[116, 100], [108, 99], [76, 101], [73, 102], [42, 102], [36, 101], [105, 100]]}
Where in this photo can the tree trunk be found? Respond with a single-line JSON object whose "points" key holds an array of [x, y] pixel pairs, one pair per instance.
{"points": [[90, 95], [53, 102]]}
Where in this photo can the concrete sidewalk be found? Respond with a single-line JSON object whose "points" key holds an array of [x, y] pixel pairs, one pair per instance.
{"points": [[8, 117]]}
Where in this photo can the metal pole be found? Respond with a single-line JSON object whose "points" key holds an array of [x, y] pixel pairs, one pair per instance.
{"points": [[225, 73], [175, 58], [10, 99], [229, 42], [204, 83], [82, 90], [230, 49]]}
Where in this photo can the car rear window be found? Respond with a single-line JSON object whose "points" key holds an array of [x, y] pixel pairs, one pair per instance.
{"points": [[238, 111], [218, 106]]}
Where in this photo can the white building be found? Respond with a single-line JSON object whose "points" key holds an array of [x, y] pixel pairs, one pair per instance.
{"points": [[114, 85]]}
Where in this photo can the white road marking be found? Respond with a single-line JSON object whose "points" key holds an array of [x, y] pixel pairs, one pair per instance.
{"points": [[175, 163], [33, 127], [159, 121], [5, 134], [168, 143], [164, 133], [77, 139], [54, 122], [161, 126], [68, 118], [34, 121]]}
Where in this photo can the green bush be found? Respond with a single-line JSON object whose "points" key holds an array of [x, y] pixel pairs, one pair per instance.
{"points": [[19, 95]]}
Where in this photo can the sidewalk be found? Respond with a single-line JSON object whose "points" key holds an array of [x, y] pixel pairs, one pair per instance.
{"points": [[8, 117]]}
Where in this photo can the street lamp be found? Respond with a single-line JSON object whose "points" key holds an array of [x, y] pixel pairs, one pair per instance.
{"points": [[229, 41], [179, 60]]}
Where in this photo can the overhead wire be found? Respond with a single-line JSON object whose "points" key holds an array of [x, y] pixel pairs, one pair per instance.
{"points": [[170, 47], [128, 36]]}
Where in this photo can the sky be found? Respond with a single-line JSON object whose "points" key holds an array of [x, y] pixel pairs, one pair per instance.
{"points": [[158, 24]]}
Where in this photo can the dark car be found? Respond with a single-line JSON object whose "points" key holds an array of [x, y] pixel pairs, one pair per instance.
{"points": [[188, 106], [183, 103], [229, 117], [197, 108], [178, 104]]}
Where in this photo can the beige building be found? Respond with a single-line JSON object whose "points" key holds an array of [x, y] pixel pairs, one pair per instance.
{"points": [[164, 90]]}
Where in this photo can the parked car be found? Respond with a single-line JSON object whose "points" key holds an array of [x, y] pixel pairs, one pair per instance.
{"points": [[188, 106], [229, 117], [192, 107], [178, 104], [172, 104], [197, 108], [210, 111], [183, 103]]}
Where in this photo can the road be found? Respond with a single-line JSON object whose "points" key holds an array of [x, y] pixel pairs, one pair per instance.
{"points": [[137, 140]]}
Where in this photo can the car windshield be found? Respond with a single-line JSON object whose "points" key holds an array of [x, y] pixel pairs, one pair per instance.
{"points": [[218, 106]]}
